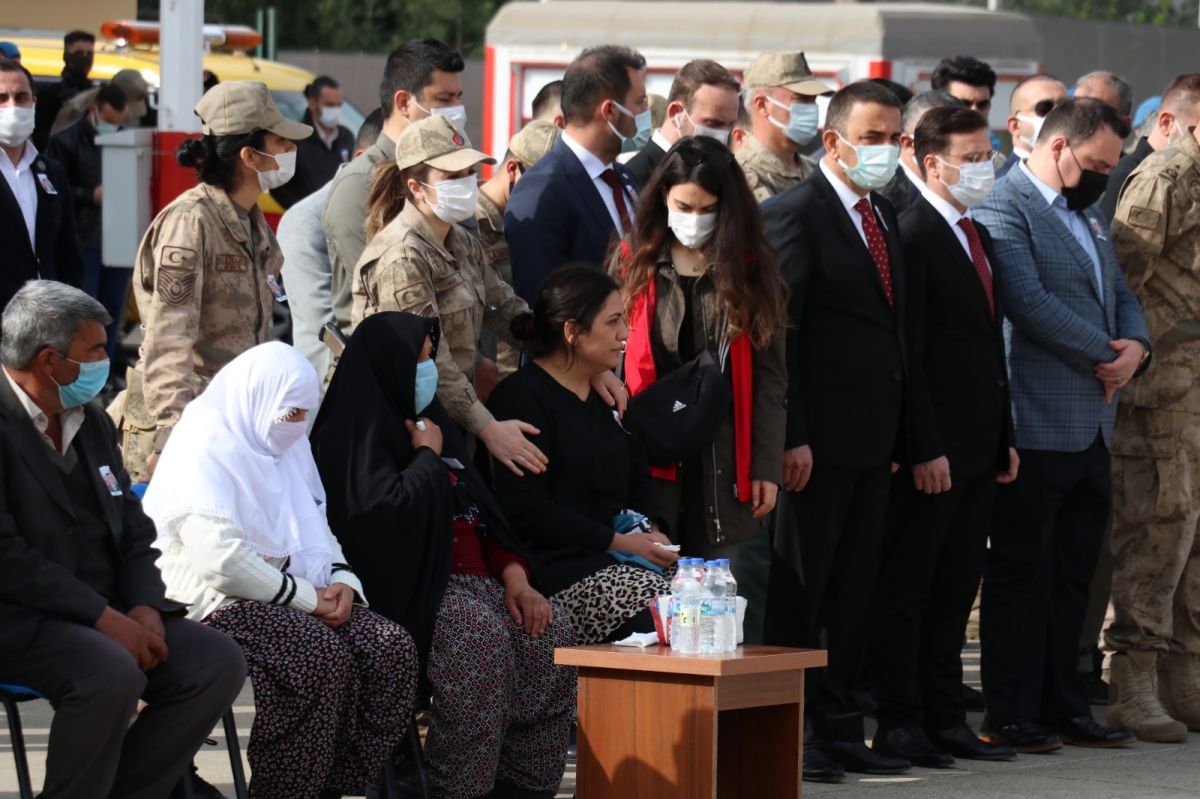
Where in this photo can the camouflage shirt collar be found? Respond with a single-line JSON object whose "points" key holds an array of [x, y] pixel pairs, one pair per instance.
{"points": [[233, 221], [417, 223], [755, 149], [488, 212]]}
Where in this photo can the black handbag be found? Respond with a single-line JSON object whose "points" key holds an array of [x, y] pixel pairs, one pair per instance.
{"points": [[677, 416]]}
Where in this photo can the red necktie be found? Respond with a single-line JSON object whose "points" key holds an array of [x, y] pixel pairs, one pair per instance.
{"points": [[877, 245], [609, 176], [980, 260]]}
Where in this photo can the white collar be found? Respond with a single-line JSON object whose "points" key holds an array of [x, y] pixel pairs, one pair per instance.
{"points": [[846, 194], [913, 176], [1020, 152], [591, 164], [1050, 194], [661, 140], [948, 211], [71, 419], [31, 152]]}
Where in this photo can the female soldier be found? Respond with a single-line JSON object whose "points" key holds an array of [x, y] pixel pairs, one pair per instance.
{"points": [[207, 267]]}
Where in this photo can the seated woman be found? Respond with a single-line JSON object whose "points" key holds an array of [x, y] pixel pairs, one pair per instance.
{"points": [[241, 524], [437, 556], [568, 515]]}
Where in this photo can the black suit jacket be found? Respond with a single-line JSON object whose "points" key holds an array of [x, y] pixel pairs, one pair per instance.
{"points": [[556, 216], [846, 342], [38, 548], [645, 162], [958, 382], [900, 191], [57, 256]]}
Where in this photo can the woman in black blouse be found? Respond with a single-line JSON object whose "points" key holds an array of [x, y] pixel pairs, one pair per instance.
{"points": [[597, 482]]}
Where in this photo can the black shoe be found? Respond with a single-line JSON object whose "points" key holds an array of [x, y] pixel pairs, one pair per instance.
{"points": [[961, 742], [855, 756], [200, 788], [818, 768], [1086, 731], [973, 699], [1023, 736], [911, 744]]}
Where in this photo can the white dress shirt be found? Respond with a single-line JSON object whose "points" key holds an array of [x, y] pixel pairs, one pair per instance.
{"points": [[952, 217], [71, 419], [21, 182], [595, 168], [1074, 221], [912, 176], [849, 200]]}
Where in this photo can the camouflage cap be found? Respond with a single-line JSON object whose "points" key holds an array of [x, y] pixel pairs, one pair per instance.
{"points": [[436, 141], [131, 82], [243, 106], [533, 141], [789, 70]]}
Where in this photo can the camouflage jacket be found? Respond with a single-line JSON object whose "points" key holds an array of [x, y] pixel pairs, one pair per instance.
{"points": [[491, 233], [766, 173]]}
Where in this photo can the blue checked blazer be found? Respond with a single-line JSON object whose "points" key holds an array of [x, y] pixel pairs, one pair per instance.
{"points": [[1059, 326]]}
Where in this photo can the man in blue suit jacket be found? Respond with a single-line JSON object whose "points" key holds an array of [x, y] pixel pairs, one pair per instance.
{"points": [[1077, 337], [572, 205]]}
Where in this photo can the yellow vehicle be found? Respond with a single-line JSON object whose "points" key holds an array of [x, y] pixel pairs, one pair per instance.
{"points": [[134, 45]]}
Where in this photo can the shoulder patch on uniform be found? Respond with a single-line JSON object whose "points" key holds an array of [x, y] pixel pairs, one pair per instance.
{"points": [[1193, 188], [1146, 218], [411, 295], [233, 263], [174, 287], [178, 258]]}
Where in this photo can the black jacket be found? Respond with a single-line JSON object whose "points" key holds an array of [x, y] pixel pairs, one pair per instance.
{"points": [[75, 148], [958, 382], [846, 358], [57, 255], [50, 99], [38, 548], [316, 163], [645, 162], [900, 191]]}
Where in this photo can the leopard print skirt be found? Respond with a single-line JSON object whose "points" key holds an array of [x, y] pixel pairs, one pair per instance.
{"points": [[602, 602]]}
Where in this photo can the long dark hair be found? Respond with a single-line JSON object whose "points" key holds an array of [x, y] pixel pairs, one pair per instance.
{"points": [[215, 158], [388, 193], [746, 274], [570, 294]]}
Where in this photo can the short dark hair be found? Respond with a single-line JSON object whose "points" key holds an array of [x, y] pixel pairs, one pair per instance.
{"points": [[547, 96], [902, 92], [410, 69], [938, 125], [8, 65], [701, 72], [113, 96], [1182, 93], [852, 94], [78, 36], [598, 74], [1079, 118], [313, 90], [369, 130], [963, 69]]}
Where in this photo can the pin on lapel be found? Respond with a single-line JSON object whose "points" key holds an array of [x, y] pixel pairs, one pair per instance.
{"points": [[1097, 228]]}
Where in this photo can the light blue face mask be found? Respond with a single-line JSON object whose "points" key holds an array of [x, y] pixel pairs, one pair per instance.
{"points": [[103, 127], [875, 164], [92, 377], [427, 382], [802, 120], [639, 139]]}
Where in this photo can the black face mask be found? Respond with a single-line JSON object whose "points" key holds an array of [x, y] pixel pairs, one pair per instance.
{"points": [[79, 64], [1087, 191]]}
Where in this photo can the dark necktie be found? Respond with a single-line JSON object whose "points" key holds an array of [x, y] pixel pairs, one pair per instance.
{"points": [[877, 245], [980, 261], [609, 176]]}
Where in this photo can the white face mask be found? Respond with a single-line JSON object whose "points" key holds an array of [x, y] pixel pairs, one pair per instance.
{"points": [[456, 113], [284, 435], [974, 182], [456, 199], [720, 134], [16, 125], [285, 164], [331, 116], [1036, 122], [691, 230]]}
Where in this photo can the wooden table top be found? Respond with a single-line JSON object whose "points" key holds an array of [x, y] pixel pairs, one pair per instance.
{"points": [[660, 659]]}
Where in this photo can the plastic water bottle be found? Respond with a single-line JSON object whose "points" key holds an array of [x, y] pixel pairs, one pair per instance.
{"points": [[730, 618], [686, 608], [713, 632]]}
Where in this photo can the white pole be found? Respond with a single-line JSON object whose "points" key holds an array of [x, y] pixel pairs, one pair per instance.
{"points": [[993, 5], [181, 64]]}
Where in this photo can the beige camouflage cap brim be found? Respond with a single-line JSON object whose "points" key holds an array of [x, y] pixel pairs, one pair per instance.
{"points": [[237, 107], [436, 141]]}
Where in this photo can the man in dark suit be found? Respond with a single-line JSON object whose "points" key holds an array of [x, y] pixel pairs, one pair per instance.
{"points": [[83, 616], [703, 101], [37, 217], [905, 187], [960, 446], [1031, 100], [577, 200], [1078, 337], [839, 249]]}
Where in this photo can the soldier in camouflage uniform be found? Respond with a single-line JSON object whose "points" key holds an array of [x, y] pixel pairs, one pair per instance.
{"points": [[205, 266], [1155, 689], [781, 97]]}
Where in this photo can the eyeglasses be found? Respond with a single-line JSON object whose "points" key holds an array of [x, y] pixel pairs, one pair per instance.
{"points": [[976, 105], [1045, 107], [973, 158], [693, 156]]}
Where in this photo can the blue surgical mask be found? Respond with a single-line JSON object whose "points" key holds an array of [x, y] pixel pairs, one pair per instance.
{"points": [[644, 129], [103, 127], [426, 388], [875, 164], [92, 377], [802, 121]]}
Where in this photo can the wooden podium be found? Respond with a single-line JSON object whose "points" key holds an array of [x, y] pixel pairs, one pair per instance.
{"points": [[654, 724]]}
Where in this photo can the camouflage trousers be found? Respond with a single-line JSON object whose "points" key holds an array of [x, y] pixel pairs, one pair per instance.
{"points": [[1156, 551]]}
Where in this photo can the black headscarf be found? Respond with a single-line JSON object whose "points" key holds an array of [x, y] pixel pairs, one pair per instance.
{"points": [[390, 506]]}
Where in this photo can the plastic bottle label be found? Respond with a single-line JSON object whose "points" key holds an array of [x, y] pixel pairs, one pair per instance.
{"points": [[689, 616]]}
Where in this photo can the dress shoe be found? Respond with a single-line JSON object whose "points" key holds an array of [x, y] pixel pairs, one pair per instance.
{"points": [[972, 699], [199, 788], [855, 756], [818, 768], [911, 744], [961, 742], [1086, 731], [1023, 736]]}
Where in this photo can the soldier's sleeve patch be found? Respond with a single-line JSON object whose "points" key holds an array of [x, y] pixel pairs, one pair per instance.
{"points": [[233, 263], [175, 288], [411, 296], [1145, 218], [177, 258]]}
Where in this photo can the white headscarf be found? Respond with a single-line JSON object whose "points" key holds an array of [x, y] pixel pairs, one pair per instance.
{"points": [[232, 457]]}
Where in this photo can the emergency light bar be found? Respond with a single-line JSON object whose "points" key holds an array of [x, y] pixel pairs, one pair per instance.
{"points": [[227, 37]]}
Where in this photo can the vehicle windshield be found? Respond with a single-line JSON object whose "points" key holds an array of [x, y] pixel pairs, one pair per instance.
{"points": [[293, 105]]}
